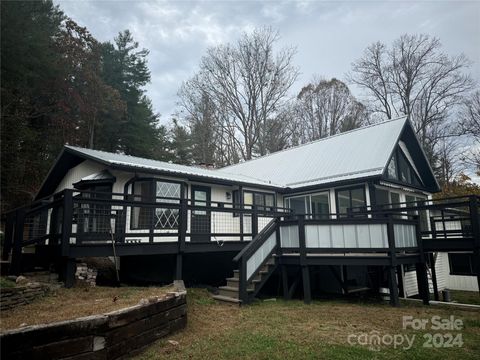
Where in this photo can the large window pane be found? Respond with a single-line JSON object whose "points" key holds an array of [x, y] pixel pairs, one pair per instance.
{"points": [[167, 218], [358, 197], [392, 172], [343, 198], [259, 200], [320, 205], [381, 197], [297, 204], [142, 216], [247, 199]]}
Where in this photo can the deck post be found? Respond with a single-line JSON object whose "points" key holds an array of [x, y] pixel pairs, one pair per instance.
{"points": [[434, 277], [254, 222], [393, 286], [69, 272], [67, 221], [16, 265], [307, 296], [182, 234], [401, 290], [422, 280], [179, 266], [240, 214], [284, 281], [9, 233], [475, 221], [242, 285]]}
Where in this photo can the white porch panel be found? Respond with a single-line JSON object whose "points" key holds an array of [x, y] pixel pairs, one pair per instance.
{"points": [[346, 236], [405, 235], [254, 262]]}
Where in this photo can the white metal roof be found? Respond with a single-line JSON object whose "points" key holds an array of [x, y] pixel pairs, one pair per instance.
{"points": [[161, 166], [358, 153]]}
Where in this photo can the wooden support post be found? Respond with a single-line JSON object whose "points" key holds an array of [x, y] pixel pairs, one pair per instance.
{"points": [[179, 266], [345, 278], [307, 295], [242, 284], [434, 277], [240, 215], [393, 286], [401, 290], [475, 222], [422, 281], [67, 221], [254, 221], [285, 282], [8, 236], [69, 272], [16, 265], [182, 234]]}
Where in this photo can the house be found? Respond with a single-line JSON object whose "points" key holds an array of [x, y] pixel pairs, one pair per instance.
{"points": [[346, 213]]}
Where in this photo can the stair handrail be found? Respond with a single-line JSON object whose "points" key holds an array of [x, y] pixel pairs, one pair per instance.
{"points": [[257, 241], [246, 253]]}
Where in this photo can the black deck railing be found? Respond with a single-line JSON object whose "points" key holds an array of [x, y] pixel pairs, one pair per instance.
{"points": [[74, 218]]}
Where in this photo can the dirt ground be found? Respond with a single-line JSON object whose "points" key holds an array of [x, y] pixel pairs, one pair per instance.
{"points": [[64, 304]]}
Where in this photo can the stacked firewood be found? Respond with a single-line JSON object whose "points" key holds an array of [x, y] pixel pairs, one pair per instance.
{"points": [[85, 274]]}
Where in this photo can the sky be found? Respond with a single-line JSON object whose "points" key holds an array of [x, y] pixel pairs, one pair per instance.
{"points": [[328, 35]]}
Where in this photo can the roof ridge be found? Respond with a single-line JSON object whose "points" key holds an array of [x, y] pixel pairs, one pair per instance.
{"points": [[316, 141]]}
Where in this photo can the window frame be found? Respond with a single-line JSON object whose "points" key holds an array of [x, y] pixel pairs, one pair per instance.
{"points": [[152, 197], [337, 190], [397, 156], [309, 195], [236, 199], [471, 265]]}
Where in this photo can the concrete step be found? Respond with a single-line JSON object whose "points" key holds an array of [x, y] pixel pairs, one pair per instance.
{"points": [[227, 299], [228, 291], [237, 276], [233, 282]]}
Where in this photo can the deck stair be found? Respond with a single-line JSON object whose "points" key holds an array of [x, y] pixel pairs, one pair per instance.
{"points": [[230, 292]]}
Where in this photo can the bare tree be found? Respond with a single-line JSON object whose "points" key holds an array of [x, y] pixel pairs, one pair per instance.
{"points": [[248, 83], [414, 78], [470, 125], [326, 108]]}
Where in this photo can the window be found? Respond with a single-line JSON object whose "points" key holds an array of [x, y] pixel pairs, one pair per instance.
{"points": [[399, 168], [155, 191], [392, 168], [264, 201], [350, 198], [461, 264], [317, 205]]}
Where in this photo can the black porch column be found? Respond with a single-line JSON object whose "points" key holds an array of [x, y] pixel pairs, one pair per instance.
{"points": [[422, 281], [69, 272], [475, 221], [393, 286], [401, 290], [285, 281], [307, 295], [434, 277]]}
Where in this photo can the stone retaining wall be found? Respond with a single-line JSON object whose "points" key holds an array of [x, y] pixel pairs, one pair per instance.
{"points": [[108, 336], [21, 295]]}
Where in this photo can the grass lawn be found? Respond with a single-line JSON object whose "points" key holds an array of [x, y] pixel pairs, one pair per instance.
{"points": [[64, 304], [465, 297], [292, 330]]}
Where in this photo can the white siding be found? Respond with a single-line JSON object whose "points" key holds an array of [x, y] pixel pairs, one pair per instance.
{"points": [[78, 172], [456, 282]]}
